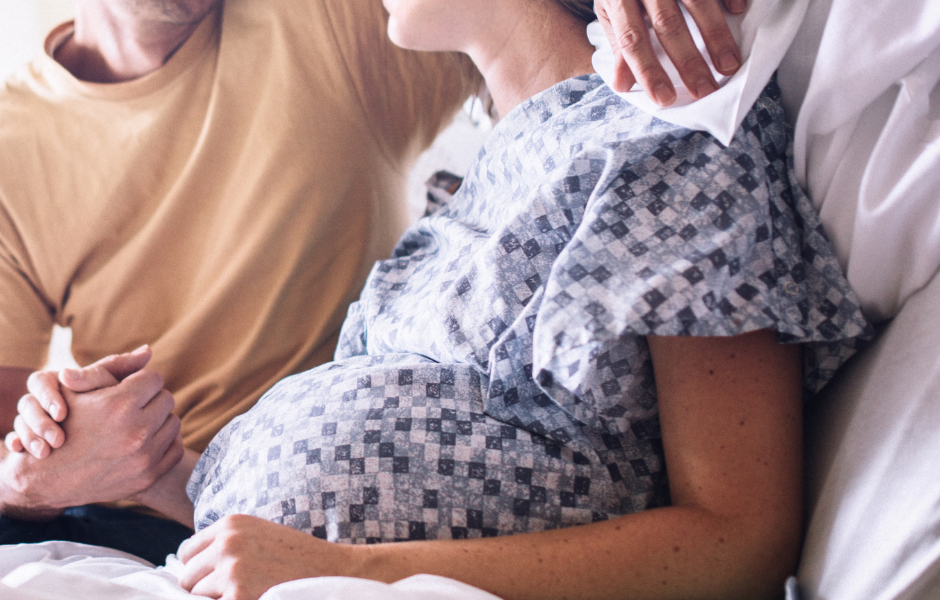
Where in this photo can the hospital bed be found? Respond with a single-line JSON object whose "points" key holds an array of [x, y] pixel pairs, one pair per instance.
{"points": [[861, 84]]}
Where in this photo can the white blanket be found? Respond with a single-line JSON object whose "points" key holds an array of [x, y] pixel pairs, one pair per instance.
{"points": [[67, 571]]}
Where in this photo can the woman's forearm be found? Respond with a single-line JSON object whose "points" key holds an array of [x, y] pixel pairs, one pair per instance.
{"points": [[168, 494], [673, 552]]}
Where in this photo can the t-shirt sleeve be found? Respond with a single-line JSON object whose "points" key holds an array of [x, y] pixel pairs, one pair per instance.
{"points": [[25, 317], [407, 97], [697, 239]]}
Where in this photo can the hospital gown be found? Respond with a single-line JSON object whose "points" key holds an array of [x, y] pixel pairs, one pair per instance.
{"points": [[494, 377]]}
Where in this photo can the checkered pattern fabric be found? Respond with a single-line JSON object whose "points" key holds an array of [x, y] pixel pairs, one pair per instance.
{"points": [[494, 377]]}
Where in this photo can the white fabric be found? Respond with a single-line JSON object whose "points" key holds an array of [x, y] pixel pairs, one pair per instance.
{"points": [[861, 83], [763, 33], [864, 82], [874, 468], [67, 571]]}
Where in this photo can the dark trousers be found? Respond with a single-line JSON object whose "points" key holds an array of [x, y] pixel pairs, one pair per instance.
{"points": [[148, 537]]}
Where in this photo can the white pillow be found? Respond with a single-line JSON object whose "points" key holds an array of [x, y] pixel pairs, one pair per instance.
{"points": [[873, 481], [862, 84]]}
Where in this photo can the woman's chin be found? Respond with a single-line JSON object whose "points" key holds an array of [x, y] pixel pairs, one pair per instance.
{"points": [[424, 37], [396, 34]]}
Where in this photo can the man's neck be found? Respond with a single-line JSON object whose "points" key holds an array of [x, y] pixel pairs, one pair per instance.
{"points": [[110, 45]]}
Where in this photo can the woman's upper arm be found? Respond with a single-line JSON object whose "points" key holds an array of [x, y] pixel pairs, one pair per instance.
{"points": [[731, 416]]}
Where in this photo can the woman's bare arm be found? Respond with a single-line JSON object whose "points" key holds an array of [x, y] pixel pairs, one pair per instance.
{"points": [[731, 423]]}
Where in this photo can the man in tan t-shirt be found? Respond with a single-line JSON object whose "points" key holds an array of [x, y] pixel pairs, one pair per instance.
{"points": [[223, 205], [214, 181]]}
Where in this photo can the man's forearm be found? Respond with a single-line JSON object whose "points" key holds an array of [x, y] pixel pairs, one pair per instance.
{"points": [[168, 494]]}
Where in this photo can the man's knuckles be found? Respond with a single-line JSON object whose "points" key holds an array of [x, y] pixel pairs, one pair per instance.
{"points": [[19, 481], [134, 440]]}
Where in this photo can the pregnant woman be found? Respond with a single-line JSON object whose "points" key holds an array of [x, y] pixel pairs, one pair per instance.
{"points": [[607, 327]]}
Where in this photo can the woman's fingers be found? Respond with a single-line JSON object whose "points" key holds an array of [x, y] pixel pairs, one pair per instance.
{"points": [[208, 586], [39, 422], [199, 562], [196, 544], [33, 444]]}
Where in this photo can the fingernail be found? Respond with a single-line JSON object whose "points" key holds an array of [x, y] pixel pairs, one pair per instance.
{"points": [[737, 6], [36, 447], [728, 61], [74, 374], [56, 412], [142, 349], [704, 87], [51, 437], [664, 94]]}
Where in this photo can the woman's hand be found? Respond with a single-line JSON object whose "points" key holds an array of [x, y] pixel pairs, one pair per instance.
{"points": [[635, 60], [241, 557]]}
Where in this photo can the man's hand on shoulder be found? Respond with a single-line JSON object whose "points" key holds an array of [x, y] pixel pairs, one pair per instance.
{"points": [[624, 21], [120, 436]]}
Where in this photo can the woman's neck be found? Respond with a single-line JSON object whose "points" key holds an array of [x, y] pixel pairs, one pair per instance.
{"points": [[536, 49]]}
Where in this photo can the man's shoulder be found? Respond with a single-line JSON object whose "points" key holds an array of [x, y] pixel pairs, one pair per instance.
{"points": [[19, 92], [24, 116]]}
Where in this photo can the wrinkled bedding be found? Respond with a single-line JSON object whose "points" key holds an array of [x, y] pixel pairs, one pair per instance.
{"points": [[68, 571]]}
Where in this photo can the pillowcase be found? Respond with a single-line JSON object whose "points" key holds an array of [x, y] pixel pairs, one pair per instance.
{"points": [[873, 467]]}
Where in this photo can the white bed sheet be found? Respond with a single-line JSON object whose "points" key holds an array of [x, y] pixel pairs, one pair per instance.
{"points": [[68, 571]]}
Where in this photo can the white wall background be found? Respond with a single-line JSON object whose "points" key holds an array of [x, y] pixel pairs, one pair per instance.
{"points": [[23, 27]]}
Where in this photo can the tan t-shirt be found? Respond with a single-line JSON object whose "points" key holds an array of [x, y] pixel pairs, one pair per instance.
{"points": [[224, 209]]}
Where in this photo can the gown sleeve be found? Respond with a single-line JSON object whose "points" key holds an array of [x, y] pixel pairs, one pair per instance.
{"points": [[696, 239]]}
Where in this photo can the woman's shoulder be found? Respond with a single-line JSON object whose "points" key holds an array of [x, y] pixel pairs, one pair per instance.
{"points": [[593, 122]]}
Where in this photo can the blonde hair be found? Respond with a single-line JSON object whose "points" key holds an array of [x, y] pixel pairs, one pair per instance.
{"points": [[583, 9]]}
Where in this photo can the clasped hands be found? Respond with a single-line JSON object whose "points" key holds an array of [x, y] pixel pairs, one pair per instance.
{"points": [[119, 438]]}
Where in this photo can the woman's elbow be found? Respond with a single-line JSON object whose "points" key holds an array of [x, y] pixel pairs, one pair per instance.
{"points": [[765, 552]]}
